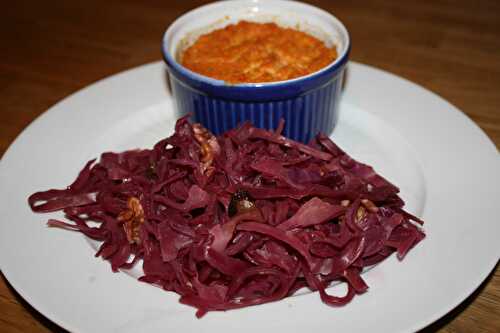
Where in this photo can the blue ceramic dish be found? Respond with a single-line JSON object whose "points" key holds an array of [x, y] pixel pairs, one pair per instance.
{"points": [[308, 104]]}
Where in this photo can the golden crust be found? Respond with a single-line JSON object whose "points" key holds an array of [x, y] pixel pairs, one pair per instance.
{"points": [[250, 52]]}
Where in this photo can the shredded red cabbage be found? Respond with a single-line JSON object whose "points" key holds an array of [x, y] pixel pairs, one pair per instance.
{"points": [[246, 218]]}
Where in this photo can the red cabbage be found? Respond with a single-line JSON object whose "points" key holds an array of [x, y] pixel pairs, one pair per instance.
{"points": [[312, 216]]}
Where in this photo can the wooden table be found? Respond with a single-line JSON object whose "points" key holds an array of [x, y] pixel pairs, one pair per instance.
{"points": [[52, 49]]}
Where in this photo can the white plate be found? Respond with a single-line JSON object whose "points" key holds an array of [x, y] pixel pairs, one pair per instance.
{"points": [[446, 166]]}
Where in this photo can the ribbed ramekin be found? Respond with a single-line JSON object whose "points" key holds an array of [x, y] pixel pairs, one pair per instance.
{"points": [[308, 104]]}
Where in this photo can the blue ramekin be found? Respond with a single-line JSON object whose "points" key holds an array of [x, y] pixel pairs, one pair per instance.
{"points": [[308, 104]]}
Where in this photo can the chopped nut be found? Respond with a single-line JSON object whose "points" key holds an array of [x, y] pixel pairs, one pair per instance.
{"points": [[209, 146], [241, 202], [369, 205], [360, 213], [132, 219]]}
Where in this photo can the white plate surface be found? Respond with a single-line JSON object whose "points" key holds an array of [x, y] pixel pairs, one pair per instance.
{"points": [[447, 168]]}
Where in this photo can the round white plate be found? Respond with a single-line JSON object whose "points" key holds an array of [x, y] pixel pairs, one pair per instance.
{"points": [[446, 167]]}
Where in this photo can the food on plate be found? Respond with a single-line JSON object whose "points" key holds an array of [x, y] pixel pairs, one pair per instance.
{"points": [[249, 52], [245, 218]]}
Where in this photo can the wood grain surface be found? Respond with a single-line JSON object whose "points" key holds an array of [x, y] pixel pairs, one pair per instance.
{"points": [[51, 49]]}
